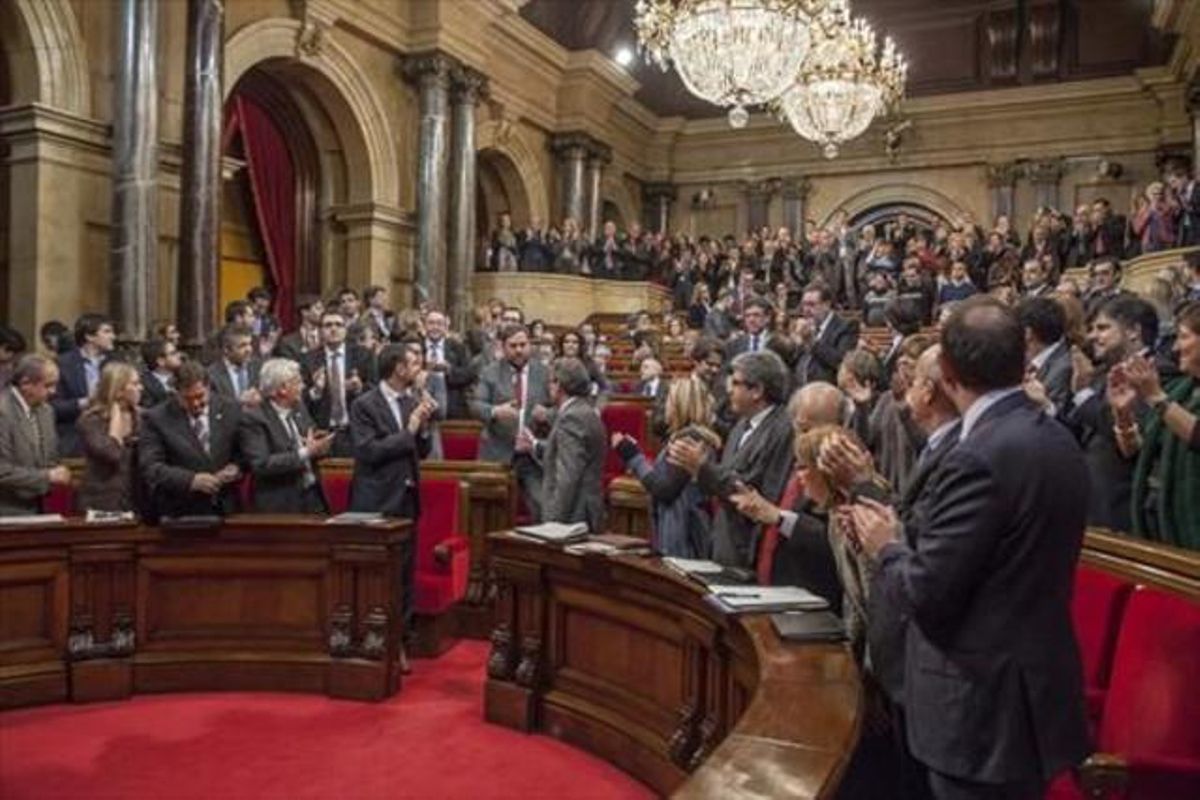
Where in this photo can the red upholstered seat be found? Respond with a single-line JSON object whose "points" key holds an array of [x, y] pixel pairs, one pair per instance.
{"points": [[625, 418], [1152, 707], [440, 582], [770, 540], [1096, 608], [337, 490], [460, 445]]}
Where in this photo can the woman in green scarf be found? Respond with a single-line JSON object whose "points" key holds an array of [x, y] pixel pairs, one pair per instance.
{"points": [[1166, 481]]}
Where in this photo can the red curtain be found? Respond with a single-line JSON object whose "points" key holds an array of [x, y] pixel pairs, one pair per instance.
{"points": [[273, 186]]}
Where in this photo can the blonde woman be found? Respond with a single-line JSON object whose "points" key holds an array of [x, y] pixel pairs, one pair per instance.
{"points": [[679, 513], [108, 430]]}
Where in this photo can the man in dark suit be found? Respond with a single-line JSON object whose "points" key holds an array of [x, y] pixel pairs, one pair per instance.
{"points": [[1048, 358], [824, 337], [756, 324], [993, 683], [307, 336], [283, 446], [78, 374], [573, 455], [190, 449], [377, 315], [28, 452], [235, 374], [265, 325], [446, 360], [162, 361], [1105, 285], [336, 374], [1108, 232], [758, 454]]}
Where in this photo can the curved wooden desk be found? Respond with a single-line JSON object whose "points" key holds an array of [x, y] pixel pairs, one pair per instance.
{"points": [[269, 602], [625, 659]]}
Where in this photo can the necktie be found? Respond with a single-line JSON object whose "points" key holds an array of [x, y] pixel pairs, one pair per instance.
{"points": [[754, 343], [241, 380], [519, 388], [38, 436], [650, 389], [200, 428], [337, 406]]}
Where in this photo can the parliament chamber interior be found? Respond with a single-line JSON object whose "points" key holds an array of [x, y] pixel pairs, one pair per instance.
{"points": [[600, 399]]}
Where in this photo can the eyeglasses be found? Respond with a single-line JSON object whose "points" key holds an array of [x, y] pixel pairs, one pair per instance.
{"points": [[333, 324]]}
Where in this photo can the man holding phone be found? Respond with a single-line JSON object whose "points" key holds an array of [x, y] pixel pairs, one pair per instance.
{"points": [[283, 446]]}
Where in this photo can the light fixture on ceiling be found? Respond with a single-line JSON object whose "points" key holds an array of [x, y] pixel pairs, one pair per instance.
{"points": [[844, 83], [624, 55], [733, 53]]}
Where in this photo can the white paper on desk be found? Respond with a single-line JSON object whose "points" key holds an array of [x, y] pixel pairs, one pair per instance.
{"points": [[693, 566], [31, 519], [356, 518], [749, 597], [554, 531]]}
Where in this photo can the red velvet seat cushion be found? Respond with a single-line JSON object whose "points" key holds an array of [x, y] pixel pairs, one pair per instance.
{"points": [[1096, 608], [460, 446]]}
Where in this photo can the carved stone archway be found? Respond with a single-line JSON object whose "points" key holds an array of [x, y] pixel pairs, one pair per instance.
{"points": [[613, 190], [51, 32], [498, 136], [896, 194]]}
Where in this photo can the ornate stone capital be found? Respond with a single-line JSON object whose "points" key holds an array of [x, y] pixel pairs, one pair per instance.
{"points": [[430, 68], [659, 191], [1002, 176], [797, 188], [574, 144], [1173, 159], [1050, 171], [599, 155], [467, 85]]}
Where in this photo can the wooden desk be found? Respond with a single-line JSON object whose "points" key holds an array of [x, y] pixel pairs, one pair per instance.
{"points": [[625, 659], [278, 602]]}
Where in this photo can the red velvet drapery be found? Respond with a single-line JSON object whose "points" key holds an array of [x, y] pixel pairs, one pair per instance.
{"points": [[273, 186]]}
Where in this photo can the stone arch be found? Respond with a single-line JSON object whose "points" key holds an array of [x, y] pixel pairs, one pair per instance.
{"points": [[331, 76], [51, 33], [613, 190], [526, 179], [500, 189], [896, 194]]}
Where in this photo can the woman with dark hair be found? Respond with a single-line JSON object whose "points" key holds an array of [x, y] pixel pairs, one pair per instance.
{"points": [[572, 344]]}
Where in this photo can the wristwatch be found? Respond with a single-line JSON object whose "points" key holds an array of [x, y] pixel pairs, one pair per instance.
{"points": [[1160, 406]]}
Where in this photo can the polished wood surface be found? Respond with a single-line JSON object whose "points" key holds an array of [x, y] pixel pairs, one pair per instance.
{"points": [[1148, 563], [622, 657], [280, 602]]}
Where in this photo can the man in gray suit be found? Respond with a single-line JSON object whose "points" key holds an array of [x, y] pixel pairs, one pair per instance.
{"points": [[573, 455], [513, 395], [28, 444], [235, 373], [758, 454]]}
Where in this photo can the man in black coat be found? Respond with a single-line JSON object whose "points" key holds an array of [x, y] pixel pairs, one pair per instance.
{"points": [[336, 374], [235, 374], [190, 450], [824, 337], [1046, 350], [162, 361], [78, 374], [283, 446], [993, 682], [447, 360]]}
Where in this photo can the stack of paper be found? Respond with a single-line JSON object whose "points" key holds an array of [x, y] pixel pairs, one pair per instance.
{"points": [[356, 518], [709, 573], [767, 598], [555, 532], [31, 519]]}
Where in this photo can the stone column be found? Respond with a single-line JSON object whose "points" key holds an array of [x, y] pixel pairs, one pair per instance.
{"points": [[1002, 181], [758, 202], [795, 199], [598, 158], [656, 200], [1045, 177], [133, 248], [571, 150], [468, 86], [200, 183], [1193, 107], [430, 72]]}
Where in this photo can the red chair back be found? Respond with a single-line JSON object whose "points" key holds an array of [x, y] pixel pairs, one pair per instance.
{"points": [[770, 540], [1096, 607], [439, 519], [337, 490], [622, 418], [1152, 706], [60, 500], [460, 446]]}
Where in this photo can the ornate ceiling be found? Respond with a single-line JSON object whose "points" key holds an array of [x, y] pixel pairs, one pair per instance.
{"points": [[951, 45]]}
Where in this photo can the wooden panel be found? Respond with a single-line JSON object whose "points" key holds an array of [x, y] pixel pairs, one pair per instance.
{"points": [[33, 610]]}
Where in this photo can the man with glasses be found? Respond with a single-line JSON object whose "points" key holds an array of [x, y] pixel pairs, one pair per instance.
{"points": [[756, 320], [336, 374], [822, 337]]}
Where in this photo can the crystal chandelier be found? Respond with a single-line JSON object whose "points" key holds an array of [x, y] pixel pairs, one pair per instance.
{"points": [[733, 53], [844, 83]]}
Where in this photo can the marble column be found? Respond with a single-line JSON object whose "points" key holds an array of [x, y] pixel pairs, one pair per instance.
{"points": [[133, 247], [467, 88], [571, 151], [599, 157], [200, 183], [795, 198], [430, 72], [758, 202], [1045, 177], [657, 199], [1002, 181]]}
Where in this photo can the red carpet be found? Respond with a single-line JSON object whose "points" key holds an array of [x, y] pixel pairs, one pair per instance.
{"points": [[429, 741]]}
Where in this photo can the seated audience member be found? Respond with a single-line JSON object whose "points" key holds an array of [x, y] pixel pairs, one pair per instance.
{"points": [[823, 338], [448, 365], [161, 361], [513, 395], [307, 337], [1166, 479], [1123, 327], [235, 374], [1047, 353], [757, 453], [28, 443], [572, 455], [12, 345], [992, 674], [283, 446], [679, 515], [108, 431], [958, 287], [190, 449], [79, 372], [336, 373]]}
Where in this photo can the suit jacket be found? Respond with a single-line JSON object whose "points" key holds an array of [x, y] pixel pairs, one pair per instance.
{"points": [[293, 346], [764, 461], [357, 359], [387, 471], [23, 465], [459, 377], [741, 344], [1056, 376], [993, 684], [222, 384], [72, 387], [1111, 474], [170, 455], [805, 558], [573, 466], [153, 392], [496, 387], [274, 459], [823, 357]]}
